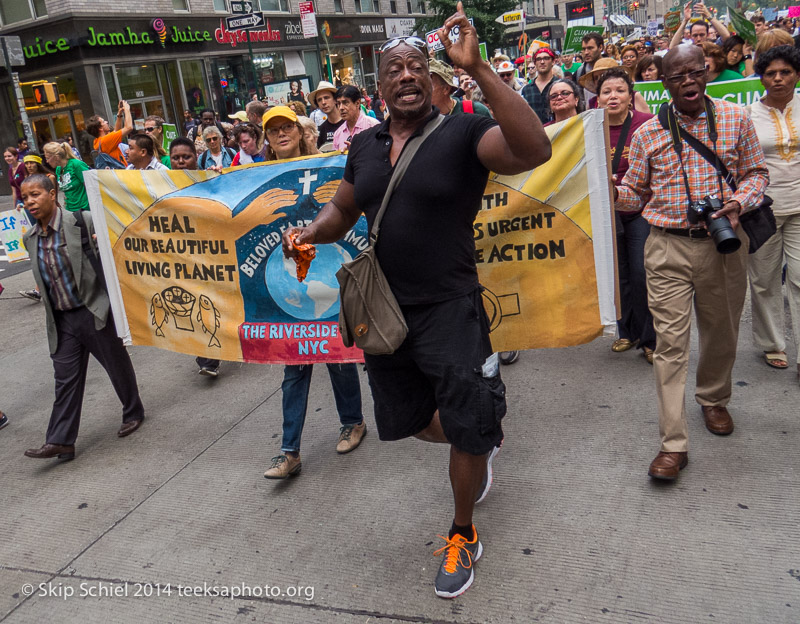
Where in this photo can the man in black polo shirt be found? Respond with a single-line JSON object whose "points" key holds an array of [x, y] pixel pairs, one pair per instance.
{"points": [[442, 384]]}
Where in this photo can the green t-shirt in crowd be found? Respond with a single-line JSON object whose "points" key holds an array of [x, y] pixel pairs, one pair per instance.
{"points": [[477, 109], [70, 181], [165, 160], [727, 74], [572, 68]]}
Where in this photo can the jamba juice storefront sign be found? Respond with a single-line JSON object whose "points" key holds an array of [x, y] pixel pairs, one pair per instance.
{"points": [[157, 33]]}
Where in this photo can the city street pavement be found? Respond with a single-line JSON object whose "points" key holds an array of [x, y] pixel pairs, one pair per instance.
{"points": [[573, 529]]}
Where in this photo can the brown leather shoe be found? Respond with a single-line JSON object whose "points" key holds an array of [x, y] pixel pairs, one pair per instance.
{"points": [[666, 466], [718, 420], [129, 427], [52, 450]]}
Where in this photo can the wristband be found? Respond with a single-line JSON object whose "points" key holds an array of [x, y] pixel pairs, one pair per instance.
{"points": [[747, 57]]}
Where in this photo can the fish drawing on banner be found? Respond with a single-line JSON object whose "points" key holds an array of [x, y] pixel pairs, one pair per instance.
{"points": [[208, 316], [158, 314]]}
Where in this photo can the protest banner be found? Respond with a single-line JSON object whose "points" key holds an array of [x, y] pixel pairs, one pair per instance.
{"points": [[194, 263], [169, 134], [672, 19], [743, 26], [794, 11], [13, 224], [572, 40], [743, 92]]}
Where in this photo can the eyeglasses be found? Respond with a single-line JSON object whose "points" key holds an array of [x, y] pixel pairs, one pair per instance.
{"points": [[679, 78], [211, 138], [414, 42], [149, 128], [561, 94], [285, 128], [506, 76]]}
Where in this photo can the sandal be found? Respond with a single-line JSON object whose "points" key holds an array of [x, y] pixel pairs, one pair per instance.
{"points": [[776, 359], [648, 354], [622, 344]]}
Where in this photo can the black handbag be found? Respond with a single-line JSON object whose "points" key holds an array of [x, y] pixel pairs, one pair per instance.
{"points": [[759, 223]]}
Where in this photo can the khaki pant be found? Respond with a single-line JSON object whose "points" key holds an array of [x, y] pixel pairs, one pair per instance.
{"points": [[766, 292], [681, 272]]}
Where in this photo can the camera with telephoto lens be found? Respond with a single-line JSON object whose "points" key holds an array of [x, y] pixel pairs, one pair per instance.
{"points": [[720, 229]]}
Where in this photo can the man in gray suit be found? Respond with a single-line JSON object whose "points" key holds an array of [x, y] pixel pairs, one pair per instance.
{"points": [[78, 318]]}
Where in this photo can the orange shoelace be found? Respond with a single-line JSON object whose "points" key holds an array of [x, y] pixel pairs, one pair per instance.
{"points": [[455, 552]]}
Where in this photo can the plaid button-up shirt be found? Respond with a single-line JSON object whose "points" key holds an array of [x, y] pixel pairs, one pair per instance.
{"points": [[55, 266], [654, 181]]}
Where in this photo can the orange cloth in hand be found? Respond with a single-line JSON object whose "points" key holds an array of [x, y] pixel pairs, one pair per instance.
{"points": [[305, 254]]}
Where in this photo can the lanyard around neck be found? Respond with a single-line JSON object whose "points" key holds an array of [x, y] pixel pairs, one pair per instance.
{"points": [[677, 143]]}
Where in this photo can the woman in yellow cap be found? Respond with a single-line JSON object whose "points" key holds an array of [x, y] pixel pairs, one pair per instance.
{"points": [[284, 134]]}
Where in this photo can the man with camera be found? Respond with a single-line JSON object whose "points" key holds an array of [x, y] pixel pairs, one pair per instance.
{"points": [[694, 254]]}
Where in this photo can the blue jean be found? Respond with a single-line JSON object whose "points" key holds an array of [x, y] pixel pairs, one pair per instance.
{"points": [[636, 322], [295, 386]]}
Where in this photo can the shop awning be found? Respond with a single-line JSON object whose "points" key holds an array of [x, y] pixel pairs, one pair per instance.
{"points": [[621, 20]]}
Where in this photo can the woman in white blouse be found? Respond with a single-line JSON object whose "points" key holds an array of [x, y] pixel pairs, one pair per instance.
{"points": [[777, 121]]}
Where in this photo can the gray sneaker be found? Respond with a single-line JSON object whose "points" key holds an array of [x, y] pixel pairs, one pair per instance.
{"points": [[32, 294], [488, 476], [456, 573]]}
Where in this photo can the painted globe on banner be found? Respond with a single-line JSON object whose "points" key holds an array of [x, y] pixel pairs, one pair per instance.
{"points": [[315, 298]]}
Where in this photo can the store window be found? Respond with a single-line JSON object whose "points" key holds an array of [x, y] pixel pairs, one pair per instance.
{"points": [[269, 67], [416, 6], [194, 84], [275, 6], [368, 6], [137, 81], [12, 11]]}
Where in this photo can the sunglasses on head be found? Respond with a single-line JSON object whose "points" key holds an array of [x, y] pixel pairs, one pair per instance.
{"points": [[414, 42]]}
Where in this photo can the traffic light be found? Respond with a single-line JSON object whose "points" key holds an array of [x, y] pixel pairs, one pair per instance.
{"points": [[634, 5], [45, 93]]}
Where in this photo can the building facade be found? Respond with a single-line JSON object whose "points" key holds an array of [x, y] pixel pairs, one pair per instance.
{"points": [[168, 56]]}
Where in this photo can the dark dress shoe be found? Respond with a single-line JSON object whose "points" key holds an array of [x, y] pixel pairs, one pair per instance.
{"points": [[129, 427], [718, 420], [666, 466], [52, 450]]}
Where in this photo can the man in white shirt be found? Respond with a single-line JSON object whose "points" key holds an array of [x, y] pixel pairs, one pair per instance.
{"points": [[141, 153]]}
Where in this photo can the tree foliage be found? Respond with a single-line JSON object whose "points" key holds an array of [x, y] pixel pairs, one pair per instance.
{"points": [[483, 12]]}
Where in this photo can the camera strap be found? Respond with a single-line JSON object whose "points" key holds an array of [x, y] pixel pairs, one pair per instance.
{"points": [[668, 120], [620, 148]]}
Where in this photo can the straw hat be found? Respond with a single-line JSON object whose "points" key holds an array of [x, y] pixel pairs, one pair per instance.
{"points": [[601, 66], [323, 85]]}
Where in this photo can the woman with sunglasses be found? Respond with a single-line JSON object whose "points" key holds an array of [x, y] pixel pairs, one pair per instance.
{"points": [[564, 100], [217, 154], [284, 134]]}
